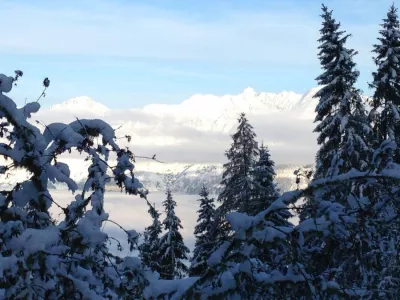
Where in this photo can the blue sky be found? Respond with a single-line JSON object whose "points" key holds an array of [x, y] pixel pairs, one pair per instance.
{"points": [[127, 53]]}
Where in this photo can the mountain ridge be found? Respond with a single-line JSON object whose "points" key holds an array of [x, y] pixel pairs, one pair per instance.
{"points": [[280, 101]]}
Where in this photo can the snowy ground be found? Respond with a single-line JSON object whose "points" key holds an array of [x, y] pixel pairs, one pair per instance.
{"points": [[131, 213]]}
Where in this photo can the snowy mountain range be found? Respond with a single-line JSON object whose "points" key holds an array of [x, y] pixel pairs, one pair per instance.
{"points": [[205, 112], [191, 179], [219, 113], [196, 132]]}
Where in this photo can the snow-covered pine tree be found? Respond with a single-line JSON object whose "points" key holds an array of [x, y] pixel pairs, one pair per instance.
{"points": [[257, 263], [204, 240], [340, 110], [345, 133], [346, 213], [270, 259], [236, 178], [384, 192], [386, 85], [149, 249], [264, 189], [353, 241], [172, 248], [42, 259]]}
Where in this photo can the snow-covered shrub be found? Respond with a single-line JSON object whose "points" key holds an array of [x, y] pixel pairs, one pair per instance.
{"points": [[42, 259]]}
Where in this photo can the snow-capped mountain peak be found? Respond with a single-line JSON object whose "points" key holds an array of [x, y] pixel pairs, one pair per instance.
{"points": [[82, 104], [208, 112], [248, 100]]}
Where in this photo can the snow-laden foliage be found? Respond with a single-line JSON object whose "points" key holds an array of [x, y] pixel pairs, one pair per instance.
{"points": [[237, 183], [354, 242], [236, 178], [203, 233], [345, 134], [257, 263], [386, 85], [149, 249], [246, 264], [172, 248], [270, 258], [358, 210], [343, 124], [345, 246], [42, 259], [264, 190]]}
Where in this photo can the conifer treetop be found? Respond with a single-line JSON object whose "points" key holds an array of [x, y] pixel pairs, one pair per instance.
{"points": [[387, 77], [386, 80], [172, 247], [203, 233], [336, 61], [342, 118], [237, 171], [149, 249]]}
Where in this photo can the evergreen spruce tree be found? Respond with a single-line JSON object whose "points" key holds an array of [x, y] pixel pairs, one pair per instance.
{"points": [[203, 232], [256, 260], [345, 133], [385, 192], [340, 111], [149, 249], [256, 263], [343, 124], [386, 85], [265, 190], [236, 178], [269, 258], [342, 216], [172, 247]]}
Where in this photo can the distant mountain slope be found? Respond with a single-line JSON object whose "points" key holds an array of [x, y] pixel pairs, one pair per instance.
{"points": [[191, 180]]}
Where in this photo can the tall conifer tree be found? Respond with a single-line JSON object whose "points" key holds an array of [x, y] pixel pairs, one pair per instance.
{"points": [[386, 85], [344, 131], [256, 262], [342, 118], [344, 214], [149, 249], [172, 247], [236, 178], [264, 190], [203, 232]]}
